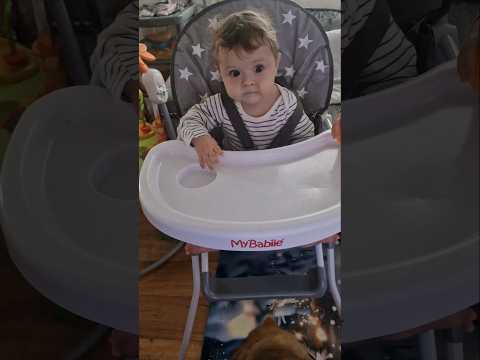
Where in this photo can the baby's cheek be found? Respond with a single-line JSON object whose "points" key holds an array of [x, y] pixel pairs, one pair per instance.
{"points": [[233, 91]]}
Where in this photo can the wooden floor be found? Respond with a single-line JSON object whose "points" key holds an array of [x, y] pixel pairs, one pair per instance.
{"points": [[164, 299], [32, 327]]}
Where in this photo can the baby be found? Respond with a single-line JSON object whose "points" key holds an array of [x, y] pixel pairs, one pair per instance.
{"points": [[247, 56]]}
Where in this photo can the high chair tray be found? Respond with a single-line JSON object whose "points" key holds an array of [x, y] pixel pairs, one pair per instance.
{"points": [[252, 201], [411, 185], [68, 203]]}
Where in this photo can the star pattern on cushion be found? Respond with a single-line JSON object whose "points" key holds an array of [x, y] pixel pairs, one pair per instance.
{"points": [[203, 97], [320, 66], [304, 42], [292, 29], [288, 18], [197, 50], [185, 73], [289, 71], [213, 23], [302, 92], [215, 75]]}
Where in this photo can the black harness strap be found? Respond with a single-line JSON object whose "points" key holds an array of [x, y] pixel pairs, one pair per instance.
{"points": [[283, 137], [237, 122]]}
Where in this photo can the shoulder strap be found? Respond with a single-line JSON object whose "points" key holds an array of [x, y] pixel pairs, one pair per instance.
{"points": [[237, 122], [283, 138], [357, 54]]}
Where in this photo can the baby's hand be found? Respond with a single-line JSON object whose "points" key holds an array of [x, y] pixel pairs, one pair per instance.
{"points": [[208, 151], [468, 62], [337, 130]]}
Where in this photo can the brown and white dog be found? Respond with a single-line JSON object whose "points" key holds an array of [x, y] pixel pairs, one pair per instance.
{"points": [[269, 342]]}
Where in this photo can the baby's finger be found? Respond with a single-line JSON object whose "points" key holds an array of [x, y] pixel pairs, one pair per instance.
{"points": [[147, 56], [201, 161], [213, 157], [211, 163], [142, 66], [336, 130]]}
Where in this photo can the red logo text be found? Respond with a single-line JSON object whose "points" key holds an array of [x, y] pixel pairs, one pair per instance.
{"points": [[255, 244]]}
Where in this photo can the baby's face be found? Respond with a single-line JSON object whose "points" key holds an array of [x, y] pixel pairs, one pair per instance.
{"points": [[249, 77]]}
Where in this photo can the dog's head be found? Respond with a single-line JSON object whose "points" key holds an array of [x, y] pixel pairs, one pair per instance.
{"points": [[269, 342]]}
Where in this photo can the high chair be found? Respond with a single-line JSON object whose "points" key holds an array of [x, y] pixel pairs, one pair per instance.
{"points": [[174, 190]]}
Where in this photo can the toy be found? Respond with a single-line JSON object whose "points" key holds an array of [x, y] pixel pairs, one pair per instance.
{"points": [[150, 133]]}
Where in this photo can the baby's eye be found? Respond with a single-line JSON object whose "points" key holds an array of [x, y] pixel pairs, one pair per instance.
{"points": [[259, 68], [234, 73]]}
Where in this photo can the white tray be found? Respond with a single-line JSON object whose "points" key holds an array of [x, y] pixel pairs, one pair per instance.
{"points": [[257, 200], [67, 207]]}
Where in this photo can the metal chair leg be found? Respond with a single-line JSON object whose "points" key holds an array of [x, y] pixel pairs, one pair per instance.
{"points": [[455, 344], [187, 333], [332, 279], [428, 346], [201, 271]]}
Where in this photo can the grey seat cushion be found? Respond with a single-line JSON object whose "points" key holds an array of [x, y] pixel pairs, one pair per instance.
{"points": [[303, 44]]}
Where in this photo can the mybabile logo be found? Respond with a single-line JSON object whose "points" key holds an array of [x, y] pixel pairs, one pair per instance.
{"points": [[252, 244]]}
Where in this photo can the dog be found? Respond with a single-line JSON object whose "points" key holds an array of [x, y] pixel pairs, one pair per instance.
{"points": [[269, 342]]}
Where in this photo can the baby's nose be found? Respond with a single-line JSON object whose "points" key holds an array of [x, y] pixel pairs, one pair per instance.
{"points": [[248, 80]]}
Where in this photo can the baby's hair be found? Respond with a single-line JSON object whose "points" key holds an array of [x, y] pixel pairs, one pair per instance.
{"points": [[247, 30]]}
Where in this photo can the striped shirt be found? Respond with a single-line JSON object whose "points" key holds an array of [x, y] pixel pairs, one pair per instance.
{"points": [[115, 59], [210, 114], [395, 59]]}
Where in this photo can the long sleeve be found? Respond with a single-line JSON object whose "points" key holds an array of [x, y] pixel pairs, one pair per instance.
{"points": [[209, 114], [115, 59], [304, 130], [200, 119]]}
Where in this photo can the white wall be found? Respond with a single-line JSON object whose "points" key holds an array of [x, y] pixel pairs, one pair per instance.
{"points": [[319, 4]]}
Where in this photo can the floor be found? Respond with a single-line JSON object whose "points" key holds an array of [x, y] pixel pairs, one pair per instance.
{"points": [[164, 299], [35, 328], [32, 327]]}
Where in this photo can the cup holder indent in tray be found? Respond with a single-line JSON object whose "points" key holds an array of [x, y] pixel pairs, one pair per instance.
{"points": [[112, 176], [193, 176]]}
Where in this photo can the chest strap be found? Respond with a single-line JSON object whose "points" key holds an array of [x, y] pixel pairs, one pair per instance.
{"points": [[283, 137]]}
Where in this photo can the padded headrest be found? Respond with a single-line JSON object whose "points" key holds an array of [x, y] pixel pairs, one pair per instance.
{"points": [[306, 61]]}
